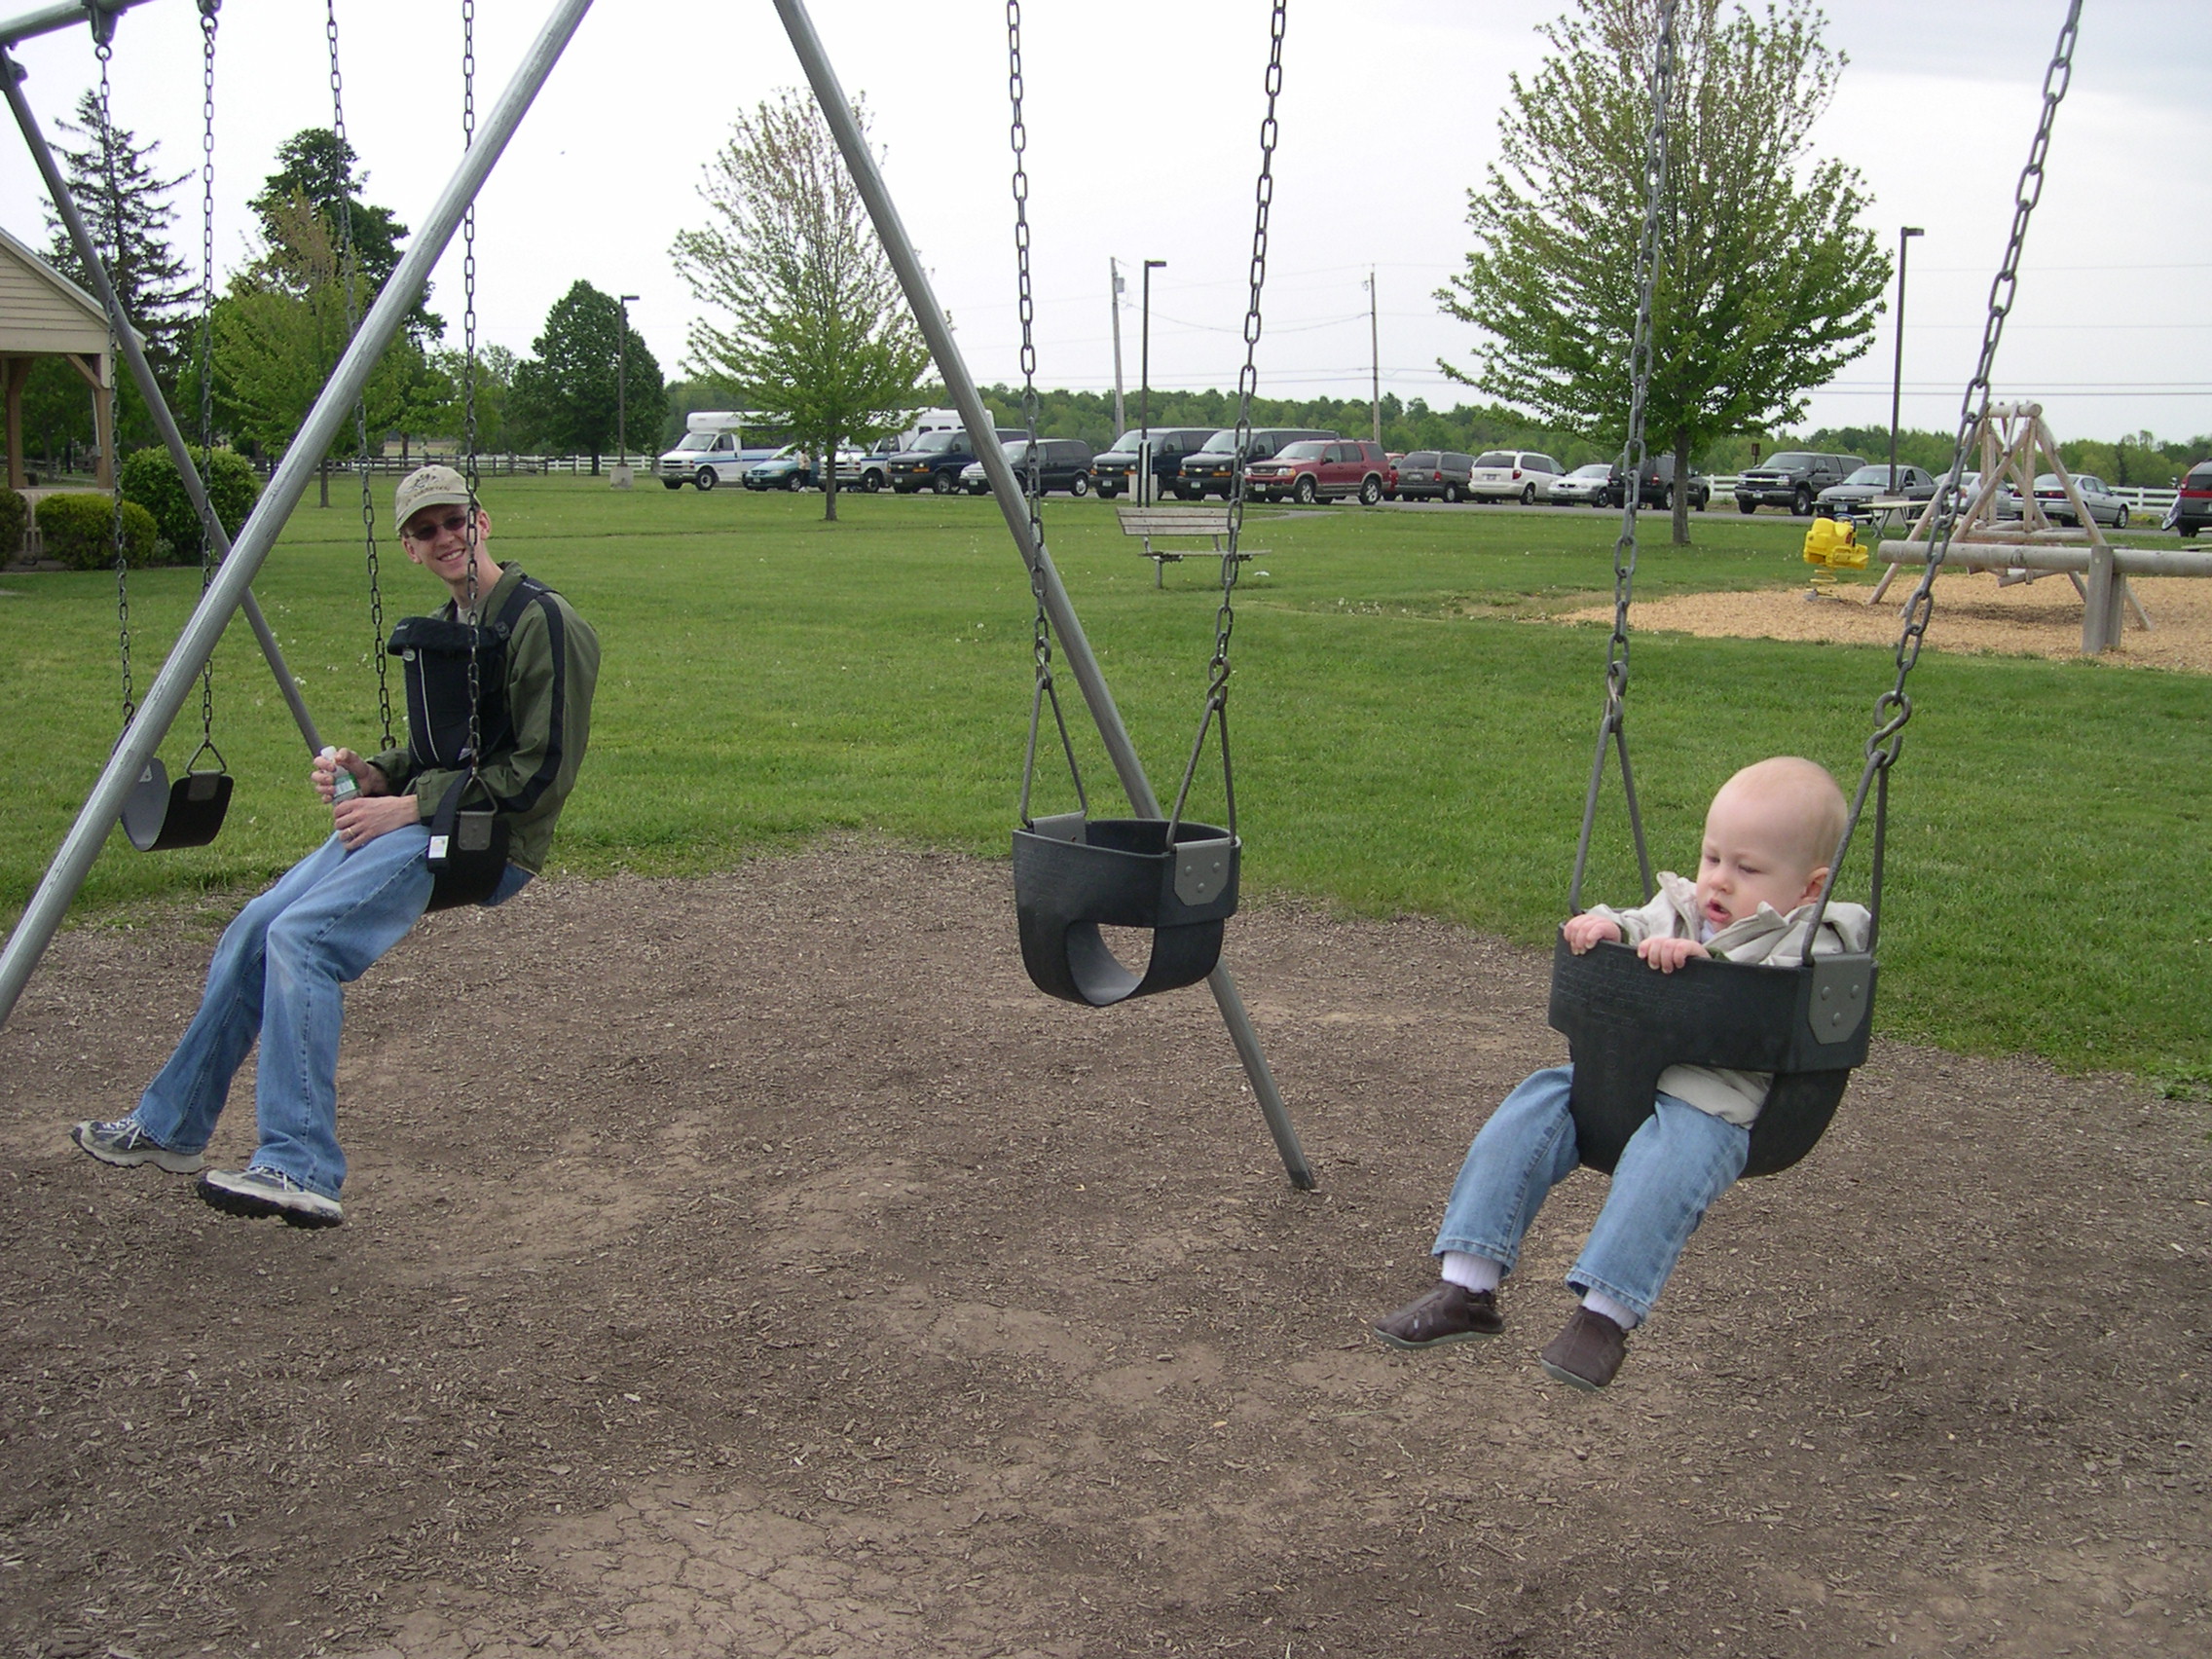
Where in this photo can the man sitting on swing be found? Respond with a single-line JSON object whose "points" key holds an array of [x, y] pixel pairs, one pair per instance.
{"points": [[1769, 837], [279, 971]]}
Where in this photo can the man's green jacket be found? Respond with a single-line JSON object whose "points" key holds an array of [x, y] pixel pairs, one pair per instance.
{"points": [[552, 669]]}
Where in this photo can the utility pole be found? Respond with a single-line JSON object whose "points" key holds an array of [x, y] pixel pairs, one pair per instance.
{"points": [[1905, 233], [622, 396], [1374, 357], [1121, 413], [1144, 384]]}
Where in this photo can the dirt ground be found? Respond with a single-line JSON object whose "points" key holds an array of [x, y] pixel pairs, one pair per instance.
{"points": [[758, 1265], [1971, 613]]}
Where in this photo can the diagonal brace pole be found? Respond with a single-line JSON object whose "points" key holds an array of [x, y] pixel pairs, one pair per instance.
{"points": [[42, 917], [837, 111], [135, 354]]}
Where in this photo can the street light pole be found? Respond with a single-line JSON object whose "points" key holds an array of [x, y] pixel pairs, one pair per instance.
{"points": [[1905, 233], [1374, 357], [622, 395], [1144, 383]]}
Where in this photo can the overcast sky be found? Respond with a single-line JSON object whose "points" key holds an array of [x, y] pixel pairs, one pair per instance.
{"points": [[1143, 123]]}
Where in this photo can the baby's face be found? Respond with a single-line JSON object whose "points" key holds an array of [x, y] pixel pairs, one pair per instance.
{"points": [[1753, 855]]}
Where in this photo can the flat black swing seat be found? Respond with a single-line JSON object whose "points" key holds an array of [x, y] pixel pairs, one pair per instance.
{"points": [[1074, 874], [159, 815], [1625, 1024]]}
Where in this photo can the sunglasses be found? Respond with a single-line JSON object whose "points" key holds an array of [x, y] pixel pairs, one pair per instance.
{"points": [[454, 524]]}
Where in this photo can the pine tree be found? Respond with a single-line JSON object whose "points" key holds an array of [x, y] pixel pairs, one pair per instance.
{"points": [[159, 294]]}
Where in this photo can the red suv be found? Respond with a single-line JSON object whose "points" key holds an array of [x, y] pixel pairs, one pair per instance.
{"points": [[1316, 471], [2193, 503]]}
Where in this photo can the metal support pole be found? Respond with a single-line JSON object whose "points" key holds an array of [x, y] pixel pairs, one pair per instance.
{"points": [[42, 917], [837, 111], [63, 15], [134, 356]]}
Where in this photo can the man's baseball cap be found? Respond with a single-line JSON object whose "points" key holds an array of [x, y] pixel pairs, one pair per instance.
{"points": [[429, 487]]}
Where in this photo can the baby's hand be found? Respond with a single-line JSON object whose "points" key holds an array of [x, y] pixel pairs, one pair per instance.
{"points": [[1669, 954], [1586, 930]]}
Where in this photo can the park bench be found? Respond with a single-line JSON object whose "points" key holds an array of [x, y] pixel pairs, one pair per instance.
{"points": [[1155, 524]]}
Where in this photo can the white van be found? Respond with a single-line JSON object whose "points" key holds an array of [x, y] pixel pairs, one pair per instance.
{"points": [[710, 453]]}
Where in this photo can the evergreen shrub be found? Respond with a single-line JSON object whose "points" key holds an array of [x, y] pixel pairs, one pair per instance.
{"points": [[14, 519]]}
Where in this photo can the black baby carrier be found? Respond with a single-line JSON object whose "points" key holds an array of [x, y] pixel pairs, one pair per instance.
{"points": [[457, 715]]}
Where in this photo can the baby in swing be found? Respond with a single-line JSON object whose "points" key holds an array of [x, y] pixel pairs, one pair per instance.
{"points": [[1769, 835]]}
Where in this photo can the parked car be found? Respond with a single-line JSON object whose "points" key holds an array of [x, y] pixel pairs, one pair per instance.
{"points": [[1211, 470], [1435, 474], [937, 460], [1584, 486], [1511, 475], [1655, 488], [1793, 479], [2104, 506], [1062, 464], [1843, 501], [789, 469], [1115, 467], [1317, 469], [2192, 506]]}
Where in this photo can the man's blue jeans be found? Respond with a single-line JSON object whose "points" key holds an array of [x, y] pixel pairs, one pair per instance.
{"points": [[1671, 1170], [280, 974]]}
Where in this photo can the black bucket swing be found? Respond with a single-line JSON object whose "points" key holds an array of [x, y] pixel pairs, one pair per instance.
{"points": [[1074, 874], [161, 814], [1808, 1025]]}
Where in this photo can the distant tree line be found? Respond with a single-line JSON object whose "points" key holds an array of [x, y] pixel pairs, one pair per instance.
{"points": [[320, 255]]}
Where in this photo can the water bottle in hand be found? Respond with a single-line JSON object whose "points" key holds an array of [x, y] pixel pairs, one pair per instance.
{"points": [[343, 786]]}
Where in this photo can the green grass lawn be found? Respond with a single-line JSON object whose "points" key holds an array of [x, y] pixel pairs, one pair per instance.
{"points": [[1407, 737]]}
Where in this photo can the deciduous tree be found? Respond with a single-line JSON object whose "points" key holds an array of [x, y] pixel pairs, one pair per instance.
{"points": [[282, 327], [318, 165], [819, 337], [566, 395], [1767, 283]]}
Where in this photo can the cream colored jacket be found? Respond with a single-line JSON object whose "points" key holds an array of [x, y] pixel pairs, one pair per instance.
{"points": [[1769, 939]]}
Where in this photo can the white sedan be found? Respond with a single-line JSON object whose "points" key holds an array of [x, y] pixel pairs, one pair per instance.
{"points": [[1584, 487]]}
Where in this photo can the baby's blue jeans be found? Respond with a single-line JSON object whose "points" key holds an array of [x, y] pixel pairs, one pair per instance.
{"points": [[1671, 1170]]}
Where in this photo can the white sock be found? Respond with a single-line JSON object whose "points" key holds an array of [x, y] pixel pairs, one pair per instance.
{"points": [[1471, 1272], [1597, 1302]]}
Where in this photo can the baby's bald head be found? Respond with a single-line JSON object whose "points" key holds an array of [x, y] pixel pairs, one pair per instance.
{"points": [[1797, 799]]}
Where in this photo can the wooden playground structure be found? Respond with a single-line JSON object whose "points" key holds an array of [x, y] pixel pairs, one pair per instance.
{"points": [[2014, 445]]}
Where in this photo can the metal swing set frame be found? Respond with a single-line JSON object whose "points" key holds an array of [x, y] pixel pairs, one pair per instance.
{"points": [[241, 559]]}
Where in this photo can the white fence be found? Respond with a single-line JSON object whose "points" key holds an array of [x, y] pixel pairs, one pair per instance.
{"points": [[2139, 499]]}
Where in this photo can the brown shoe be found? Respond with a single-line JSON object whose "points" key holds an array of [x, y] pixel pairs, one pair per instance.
{"points": [[1588, 1349], [1448, 1313]]}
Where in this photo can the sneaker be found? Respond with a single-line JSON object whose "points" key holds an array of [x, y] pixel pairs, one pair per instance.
{"points": [[1448, 1313], [261, 1191], [124, 1144], [1588, 1349]]}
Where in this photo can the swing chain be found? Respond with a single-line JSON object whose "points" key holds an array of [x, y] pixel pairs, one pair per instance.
{"points": [[1247, 385], [103, 50], [468, 380], [1045, 690], [1612, 726], [209, 526], [351, 262], [1893, 709]]}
